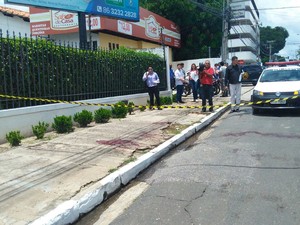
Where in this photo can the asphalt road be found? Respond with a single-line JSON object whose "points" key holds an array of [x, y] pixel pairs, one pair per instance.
{"points": [[244, 169]]}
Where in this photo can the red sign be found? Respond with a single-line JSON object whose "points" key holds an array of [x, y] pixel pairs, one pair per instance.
{"points": [[45, 22], [151, 26]]}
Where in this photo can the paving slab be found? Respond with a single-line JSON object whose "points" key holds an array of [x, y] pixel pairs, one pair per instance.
{"points": [[41, 178]]}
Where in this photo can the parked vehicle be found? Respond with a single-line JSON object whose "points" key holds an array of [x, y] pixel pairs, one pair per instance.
{"points": [[251, 73], [187, 89], [277, 83], [216, 86]]}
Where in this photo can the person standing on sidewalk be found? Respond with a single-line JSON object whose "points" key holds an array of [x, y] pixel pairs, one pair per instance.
{"points": [[152, 80], [206, 78], [193, 79], [233, 79], [179, 80], [222, 74], [172, 78]]}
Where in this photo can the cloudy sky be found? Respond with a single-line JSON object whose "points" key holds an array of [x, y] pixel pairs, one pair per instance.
{"points": [[285, 14], [275, 13]]}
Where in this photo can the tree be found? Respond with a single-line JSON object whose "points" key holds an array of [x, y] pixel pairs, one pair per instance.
{"points": [[199, 29], [298, 54], [277, 35]]}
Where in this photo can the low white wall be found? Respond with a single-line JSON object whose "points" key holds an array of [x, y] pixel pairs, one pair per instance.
{"points": [[188, 63], [23, 118]]}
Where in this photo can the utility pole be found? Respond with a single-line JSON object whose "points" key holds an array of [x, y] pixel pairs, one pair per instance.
{"points": [[225, 29], [82, 30], [163, 41], [270, 49]]}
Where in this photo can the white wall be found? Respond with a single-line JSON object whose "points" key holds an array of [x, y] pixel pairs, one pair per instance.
{"points": [[73, 38], [188, 63], [23, 118], [247, 56], [241, 43], [14, 24]]}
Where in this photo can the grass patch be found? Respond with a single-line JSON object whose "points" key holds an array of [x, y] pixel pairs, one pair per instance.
{"points": [[174, 129], [112, 170], [129, 160]]}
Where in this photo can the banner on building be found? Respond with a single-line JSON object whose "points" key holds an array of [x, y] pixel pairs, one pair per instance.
{"points": [[48, 22], [151, 26], [238, 10], [124, 9]]}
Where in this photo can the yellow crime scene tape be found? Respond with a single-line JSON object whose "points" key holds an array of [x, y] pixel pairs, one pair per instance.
{"points": [[144, 106]]}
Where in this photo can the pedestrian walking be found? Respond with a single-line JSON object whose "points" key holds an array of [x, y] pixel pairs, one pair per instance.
{"points": [[152, 80], [233, 78], [206, 78], [179, 81]]}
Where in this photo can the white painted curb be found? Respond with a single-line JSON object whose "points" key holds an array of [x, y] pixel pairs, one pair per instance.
{"points": [[69, 211]]}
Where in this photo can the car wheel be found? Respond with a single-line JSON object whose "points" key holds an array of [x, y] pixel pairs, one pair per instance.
{"points": [[255, 111]]}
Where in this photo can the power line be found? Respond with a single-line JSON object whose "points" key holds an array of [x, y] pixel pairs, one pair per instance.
{"points": [[279, 8], [263, 9], [292, 43], [236, 32], [214, 11]]}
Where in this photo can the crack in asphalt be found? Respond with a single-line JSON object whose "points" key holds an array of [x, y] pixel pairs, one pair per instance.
{"points": [[239, 166], [240, 134], [190, 202]]}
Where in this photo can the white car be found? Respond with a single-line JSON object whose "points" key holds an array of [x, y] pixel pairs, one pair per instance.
{"points": [[277, 88]]}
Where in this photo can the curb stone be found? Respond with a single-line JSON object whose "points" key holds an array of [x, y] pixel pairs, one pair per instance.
{"points": [[69, 211]]}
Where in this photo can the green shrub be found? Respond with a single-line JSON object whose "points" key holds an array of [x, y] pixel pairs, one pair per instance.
{"points": [[83, 118], [40, 130], [102, 115], [130, 107], [174, 97], [14, 138], [63, 124], [119, 110], [166, 100], [142, 108]]}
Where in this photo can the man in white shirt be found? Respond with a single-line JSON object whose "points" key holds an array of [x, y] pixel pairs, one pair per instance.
{"points": [[179, 80], [152, 80]]}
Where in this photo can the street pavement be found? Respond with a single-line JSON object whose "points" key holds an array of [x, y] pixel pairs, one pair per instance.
{"points": [[55, 180]]}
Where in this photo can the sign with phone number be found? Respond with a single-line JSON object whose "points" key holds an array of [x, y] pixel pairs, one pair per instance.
{"points": [[123, 9]]}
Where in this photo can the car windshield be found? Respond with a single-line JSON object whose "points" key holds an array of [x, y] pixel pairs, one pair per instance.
{"points": [[280, 75], [252, 68]]}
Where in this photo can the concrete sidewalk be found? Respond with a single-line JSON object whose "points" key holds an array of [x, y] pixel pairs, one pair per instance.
{"points": [[55, 180]]}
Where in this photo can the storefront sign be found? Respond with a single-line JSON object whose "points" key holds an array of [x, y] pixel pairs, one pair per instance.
{"points": [[45, 22], [124, 27], [124, 9], [151, 26]]}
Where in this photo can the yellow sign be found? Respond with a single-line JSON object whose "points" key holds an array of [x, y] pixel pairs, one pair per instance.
{"points": [[245, 76]]}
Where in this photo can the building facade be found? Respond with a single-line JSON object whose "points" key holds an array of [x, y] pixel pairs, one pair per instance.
{"points": [[244, 37], [14, 21], [152, 31]]}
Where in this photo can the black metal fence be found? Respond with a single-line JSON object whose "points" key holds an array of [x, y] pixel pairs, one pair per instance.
{"points": [[38, 68]]}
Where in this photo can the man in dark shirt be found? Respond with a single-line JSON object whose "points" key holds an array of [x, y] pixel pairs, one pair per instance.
{"points": [[233, 78]]}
